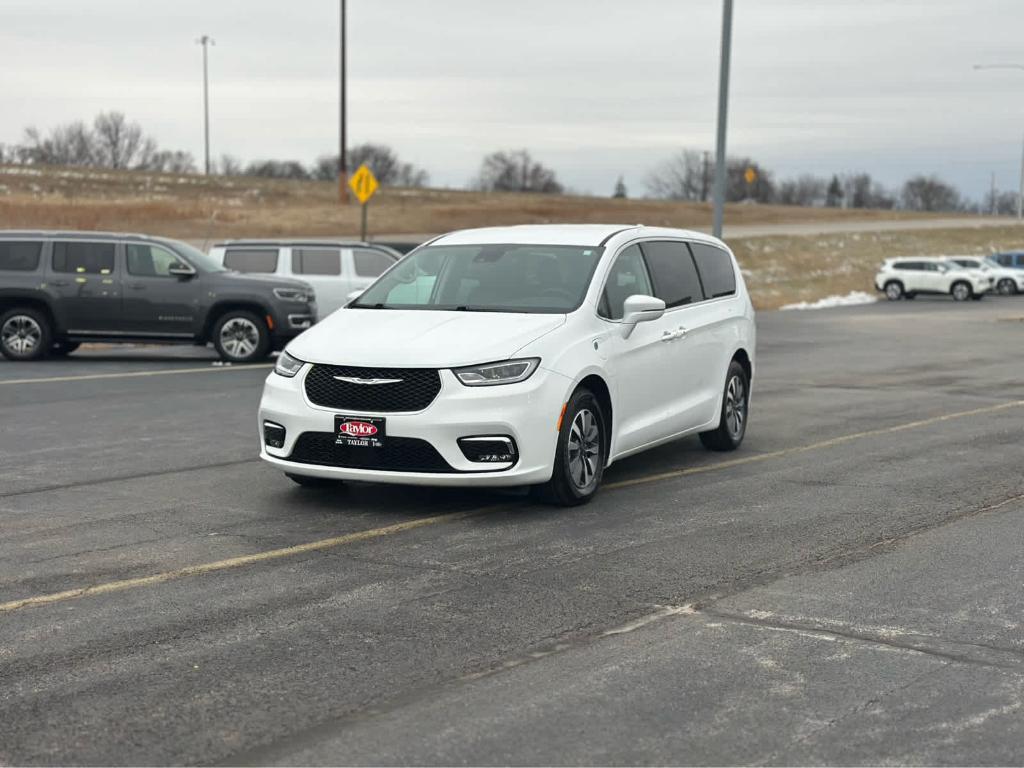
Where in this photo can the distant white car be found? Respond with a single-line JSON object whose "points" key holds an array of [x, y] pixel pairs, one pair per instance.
{"points": [[1006, 281], [334, 268], [906, 278]]}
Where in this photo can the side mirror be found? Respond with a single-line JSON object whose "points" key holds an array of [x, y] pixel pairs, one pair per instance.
{"points": [[640, 309], [181, 270]]}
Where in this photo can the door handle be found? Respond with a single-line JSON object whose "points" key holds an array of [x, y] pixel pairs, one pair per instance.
{"points": [[137, 286], [668, 336], [59, 283], [681, 333]]}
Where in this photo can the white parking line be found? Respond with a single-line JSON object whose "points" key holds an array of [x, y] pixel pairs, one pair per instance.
{"points": [[137, 374]]}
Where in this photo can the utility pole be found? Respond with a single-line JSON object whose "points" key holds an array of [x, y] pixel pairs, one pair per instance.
{"points": [[206, 41], [343, 138], [1020, 193], [723, 110]]}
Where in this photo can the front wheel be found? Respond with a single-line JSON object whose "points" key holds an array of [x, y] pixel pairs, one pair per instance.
{"points": [[732, 425], [580, 454], [25, 334], [894, 290], [960, 291], [1006, 287], [240, 336]]}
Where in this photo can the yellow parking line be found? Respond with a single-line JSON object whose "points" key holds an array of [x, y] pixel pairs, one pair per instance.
{"points": [[388, 530], [137, 374]]}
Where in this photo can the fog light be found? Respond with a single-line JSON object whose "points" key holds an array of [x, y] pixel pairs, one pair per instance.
{"points": [[497, 449], [273, 435]]}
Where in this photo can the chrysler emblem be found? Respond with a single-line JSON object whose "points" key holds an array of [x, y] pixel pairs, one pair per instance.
{"points": [[357, 380]]}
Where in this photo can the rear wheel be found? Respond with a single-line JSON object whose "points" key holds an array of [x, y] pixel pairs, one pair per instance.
{"points": [[1006, 287], [314, 482], [580, 454], [239, 336], [25, 334], [960, 291], [732, 425], [894, 290], [64, 348]]}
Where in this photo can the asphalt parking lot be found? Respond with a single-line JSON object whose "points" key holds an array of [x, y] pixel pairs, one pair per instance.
{"points": [[846, 588]]}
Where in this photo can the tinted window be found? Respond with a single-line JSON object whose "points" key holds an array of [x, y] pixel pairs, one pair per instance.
{"points": [[1003, 258], [83, 258], [23, 257], [251, 260], [149, 260], [316, 261], [715, 268], [371, 263], [969, 263], [906, 265], [627, 277], [672, 270]]}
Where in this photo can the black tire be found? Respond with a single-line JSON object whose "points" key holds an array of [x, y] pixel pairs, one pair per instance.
{"points": [[313, 482], [1006, 287], [894, 290], [25, 334], [732, 421], [239, 336], [961, 290], [64, 348], [580, 454]]}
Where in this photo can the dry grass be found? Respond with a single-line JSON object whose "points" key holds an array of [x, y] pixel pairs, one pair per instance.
{"points": [[784, 270], [199, 207]]}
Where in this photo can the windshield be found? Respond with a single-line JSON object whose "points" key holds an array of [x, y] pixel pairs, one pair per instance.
{"points": [[202, 261], [991, 263], [487, 278]]}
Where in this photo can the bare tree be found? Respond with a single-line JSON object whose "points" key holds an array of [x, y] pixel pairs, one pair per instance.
{"points": [[620, 190], [120, 144], [168, 161], [70, 144], [1002, 204], [277, 169], [682, 177], [805, 190], [516, 171], [737, 187], [929, 193], [385, 163]]}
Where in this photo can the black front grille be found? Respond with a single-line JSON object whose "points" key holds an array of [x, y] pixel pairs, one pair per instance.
{"points": [[415, 390], [398, 454]]}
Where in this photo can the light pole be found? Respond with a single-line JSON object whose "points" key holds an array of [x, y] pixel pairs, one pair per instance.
{"points": [[1020, 192], [723, 110], [342, 138], [206, 41]]}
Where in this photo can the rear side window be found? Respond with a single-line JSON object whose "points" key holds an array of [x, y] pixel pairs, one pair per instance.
{"points": [[907, 265], [715, 268], [371, 263], [673, 272], [20, 257], [316, 261], [251, 259], [83, 258]]}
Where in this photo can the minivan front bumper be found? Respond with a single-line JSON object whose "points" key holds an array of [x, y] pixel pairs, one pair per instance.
{"points": [[526, 413]]}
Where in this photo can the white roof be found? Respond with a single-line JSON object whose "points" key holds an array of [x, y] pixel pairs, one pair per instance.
{"points": [[558, 234]]}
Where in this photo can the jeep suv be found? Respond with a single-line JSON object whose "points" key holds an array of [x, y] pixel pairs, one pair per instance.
{"points": [[59, 289]]}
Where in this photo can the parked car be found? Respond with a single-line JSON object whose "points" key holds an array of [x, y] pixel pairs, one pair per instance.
{"points": [[334, 268], [59, 289], [1007, 281], [1010, 259], [906, 278], [532, 355]]}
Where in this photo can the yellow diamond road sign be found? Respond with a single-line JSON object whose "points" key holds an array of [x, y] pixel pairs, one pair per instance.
{"points": [[363, 183], [750, 175]]}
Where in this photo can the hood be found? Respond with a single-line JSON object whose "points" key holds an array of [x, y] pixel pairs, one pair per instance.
{"points": [[419, 338]]}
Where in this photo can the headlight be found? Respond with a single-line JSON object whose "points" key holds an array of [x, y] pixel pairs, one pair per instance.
{"points": [[293, 294], [287, 365], [490, 374]]}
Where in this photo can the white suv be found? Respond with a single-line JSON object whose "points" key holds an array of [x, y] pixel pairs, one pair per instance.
{"points": [[531, 355], [334, 268], [1006, 281], [906, 278]]}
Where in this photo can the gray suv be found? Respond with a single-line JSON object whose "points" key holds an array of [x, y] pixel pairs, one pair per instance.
{"points": [[59, 289]]}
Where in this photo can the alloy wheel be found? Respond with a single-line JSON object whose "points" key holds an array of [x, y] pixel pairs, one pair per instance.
{"points": [[961, 292], [239, 337], [21, 335], [583, 449], [735, 407], [893, 291], [1006, 287]]}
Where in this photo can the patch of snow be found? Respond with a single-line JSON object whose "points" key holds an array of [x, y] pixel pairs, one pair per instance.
{"points": [[851, 299]]}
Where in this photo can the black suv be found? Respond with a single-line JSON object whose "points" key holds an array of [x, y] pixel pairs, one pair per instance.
{"points": [[59, 289]]}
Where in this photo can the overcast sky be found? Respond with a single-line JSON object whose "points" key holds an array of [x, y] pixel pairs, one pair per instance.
{"points": [[594, 89]]}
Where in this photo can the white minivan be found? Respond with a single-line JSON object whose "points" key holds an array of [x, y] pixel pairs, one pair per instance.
{"points": [[335, 268], [531, 355]]}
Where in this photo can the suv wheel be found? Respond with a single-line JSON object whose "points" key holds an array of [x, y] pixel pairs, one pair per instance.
{"points": [[732, 424], [240, 336], [25, 334], [894, 290], [960, 291], [1006, 287], [580, 454]]}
